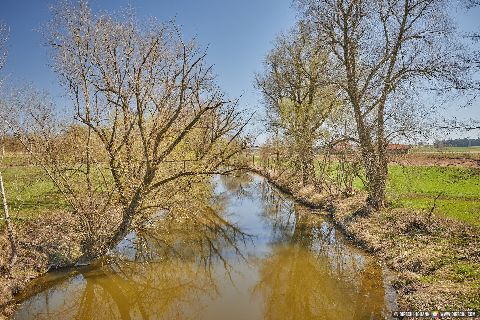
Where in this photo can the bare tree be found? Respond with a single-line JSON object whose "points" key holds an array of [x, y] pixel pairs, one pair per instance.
{"points": [[381, 47], [148, 112], [296, 94], [6, 215]]}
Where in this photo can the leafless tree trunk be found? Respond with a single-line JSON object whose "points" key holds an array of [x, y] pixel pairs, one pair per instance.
{"points": [[8, 222]]}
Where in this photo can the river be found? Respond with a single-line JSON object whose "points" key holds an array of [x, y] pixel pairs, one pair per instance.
{"points": [[269, 259]]}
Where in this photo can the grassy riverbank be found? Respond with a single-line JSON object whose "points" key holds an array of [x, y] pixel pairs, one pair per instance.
{"points": [[51, 235], [48, 235], [436, 260], [41, 226], [447, 191], [30, 193]]}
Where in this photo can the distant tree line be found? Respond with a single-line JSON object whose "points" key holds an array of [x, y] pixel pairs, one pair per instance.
{"points": [[464, 142]]}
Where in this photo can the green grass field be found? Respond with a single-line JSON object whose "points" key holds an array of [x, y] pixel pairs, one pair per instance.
{"points": [[29, 192], [417, 187], [458, 190]]}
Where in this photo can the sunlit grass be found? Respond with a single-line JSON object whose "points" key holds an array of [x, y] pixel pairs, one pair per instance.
{"points": [[463, 210], [416, 187], [458, 190], [431, 181], [29, 192]]}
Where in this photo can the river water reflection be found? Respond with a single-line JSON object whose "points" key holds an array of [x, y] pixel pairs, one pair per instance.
{"points": [[268, 259]]}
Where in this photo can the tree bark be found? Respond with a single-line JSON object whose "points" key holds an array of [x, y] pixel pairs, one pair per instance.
{"points": [[304, 156], [376, 174], [308, 170]]}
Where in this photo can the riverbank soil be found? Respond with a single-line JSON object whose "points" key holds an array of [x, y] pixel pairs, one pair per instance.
{"points": [[435, 259], [47, 234], [43, 243]]}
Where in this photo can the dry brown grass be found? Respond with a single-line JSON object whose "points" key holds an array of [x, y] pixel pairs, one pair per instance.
{"points": [[46, 242], [437, 260]]}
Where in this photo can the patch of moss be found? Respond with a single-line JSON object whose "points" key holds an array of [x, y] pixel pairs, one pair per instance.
{"points": [[428, 279], [465, 271]]}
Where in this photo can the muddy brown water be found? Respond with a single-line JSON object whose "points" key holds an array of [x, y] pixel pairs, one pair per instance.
{"points": [[271, 259]]}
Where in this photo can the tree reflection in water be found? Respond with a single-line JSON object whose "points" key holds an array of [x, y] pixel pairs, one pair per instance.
{"points": [[163, 271], [313, 273], [193, 263]]}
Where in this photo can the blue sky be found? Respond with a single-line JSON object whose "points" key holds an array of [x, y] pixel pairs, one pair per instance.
{"points": [[238, 34]]}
